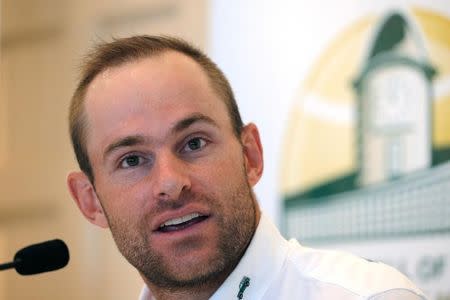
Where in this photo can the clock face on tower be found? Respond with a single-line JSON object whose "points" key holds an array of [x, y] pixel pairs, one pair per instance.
{"points": [[395, 110], [393, 97]]}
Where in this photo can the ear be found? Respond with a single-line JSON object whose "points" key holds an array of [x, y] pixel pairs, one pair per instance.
{"points": [[253, 153], [83, 192]]}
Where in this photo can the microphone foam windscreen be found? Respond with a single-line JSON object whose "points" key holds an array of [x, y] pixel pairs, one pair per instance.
{"points": [[43, 257]]}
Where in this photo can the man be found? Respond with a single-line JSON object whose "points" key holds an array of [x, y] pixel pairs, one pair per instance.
{"points": [[168, 166]]}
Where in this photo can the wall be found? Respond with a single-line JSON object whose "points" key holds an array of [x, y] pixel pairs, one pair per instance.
{"points": [[42, 42]]}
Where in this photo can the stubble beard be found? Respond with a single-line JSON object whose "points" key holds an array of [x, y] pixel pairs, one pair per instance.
{"points": [[235, 231]]}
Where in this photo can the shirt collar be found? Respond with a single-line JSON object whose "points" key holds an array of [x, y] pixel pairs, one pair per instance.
{"points": [[145, 294], [261, 263]]}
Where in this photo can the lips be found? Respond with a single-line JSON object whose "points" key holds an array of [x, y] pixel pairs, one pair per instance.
{"points": [[180, 223]]}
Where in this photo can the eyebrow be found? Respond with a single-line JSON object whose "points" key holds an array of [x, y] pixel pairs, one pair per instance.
{"points": [[192, 119], [124, 142], [181, 125]]}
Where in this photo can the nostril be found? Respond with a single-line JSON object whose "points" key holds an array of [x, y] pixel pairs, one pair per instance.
{"points": [[163, 195], [168, 187]]}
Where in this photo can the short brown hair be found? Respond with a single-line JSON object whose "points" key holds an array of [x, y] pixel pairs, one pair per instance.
{"points": [[123, 50]]}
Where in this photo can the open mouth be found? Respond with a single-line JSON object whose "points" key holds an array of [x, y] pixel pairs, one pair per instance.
{"points": [[181, 223]]}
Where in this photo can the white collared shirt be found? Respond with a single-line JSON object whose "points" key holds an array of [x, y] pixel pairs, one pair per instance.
{"points": [[281, 269]]}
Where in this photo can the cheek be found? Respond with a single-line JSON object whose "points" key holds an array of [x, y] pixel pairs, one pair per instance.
{"points": [[222, 178], [123, 200], [232, 169], [217, 178]]}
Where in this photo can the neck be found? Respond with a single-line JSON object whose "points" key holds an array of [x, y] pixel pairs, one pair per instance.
{"points": [[188, 295], [204, 291]]}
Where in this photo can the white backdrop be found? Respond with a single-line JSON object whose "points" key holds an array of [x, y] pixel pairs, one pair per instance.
{"points": [[266, 48]]}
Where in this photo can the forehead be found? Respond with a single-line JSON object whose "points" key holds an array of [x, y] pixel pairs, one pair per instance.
{"points": [[155, 76], [150, 92]]}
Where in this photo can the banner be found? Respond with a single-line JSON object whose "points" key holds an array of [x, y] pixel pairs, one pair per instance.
{"points": [[354, 100]]}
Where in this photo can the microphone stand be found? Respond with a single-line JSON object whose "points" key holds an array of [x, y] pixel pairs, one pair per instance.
{"points": [[7, 266], [11, 264]]}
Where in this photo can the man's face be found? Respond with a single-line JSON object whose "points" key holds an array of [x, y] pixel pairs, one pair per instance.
{"points": [[173, 180]]}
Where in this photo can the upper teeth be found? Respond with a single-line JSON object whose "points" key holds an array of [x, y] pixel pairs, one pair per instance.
{"points": [[180, 220]]}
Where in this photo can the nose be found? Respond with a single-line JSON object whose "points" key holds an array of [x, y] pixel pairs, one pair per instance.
{"points": [[170, 178]]}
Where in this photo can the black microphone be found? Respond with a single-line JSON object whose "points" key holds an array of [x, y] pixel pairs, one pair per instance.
{"points": [[38, 258]]}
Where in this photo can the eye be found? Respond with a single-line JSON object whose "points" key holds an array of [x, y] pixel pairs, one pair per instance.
{"points": [[194, 144], [131, 161]]}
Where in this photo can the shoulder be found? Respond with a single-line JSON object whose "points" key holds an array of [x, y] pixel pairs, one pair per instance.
{"points": [[356, 275]]}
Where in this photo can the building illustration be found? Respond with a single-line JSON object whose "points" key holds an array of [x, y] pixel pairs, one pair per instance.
{"points": [[401, 183]]}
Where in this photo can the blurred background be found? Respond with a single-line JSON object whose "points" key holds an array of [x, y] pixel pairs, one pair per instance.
{"points": [[352, 99]]}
